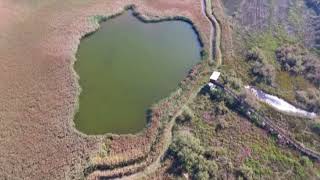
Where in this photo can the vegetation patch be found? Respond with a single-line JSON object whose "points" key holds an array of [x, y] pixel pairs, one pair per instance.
{"points": [[298, 61], [191, 156], [236, 147]]}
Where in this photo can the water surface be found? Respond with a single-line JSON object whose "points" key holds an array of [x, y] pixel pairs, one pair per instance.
{"points": [[128, 65]]}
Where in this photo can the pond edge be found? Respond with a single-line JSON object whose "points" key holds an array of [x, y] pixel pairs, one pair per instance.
{"points": [[145, 18]]}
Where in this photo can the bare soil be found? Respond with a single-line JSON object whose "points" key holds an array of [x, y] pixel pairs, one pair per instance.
{"points": [[39, 89]]}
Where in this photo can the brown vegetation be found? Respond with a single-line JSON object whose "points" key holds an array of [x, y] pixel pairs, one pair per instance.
{"points": [[254, 14], [39, 89]]}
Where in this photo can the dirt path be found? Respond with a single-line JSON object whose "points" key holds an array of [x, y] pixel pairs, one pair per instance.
{"points": [[216, 42]]}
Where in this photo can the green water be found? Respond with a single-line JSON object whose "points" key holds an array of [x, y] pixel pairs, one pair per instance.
{"points": [[128, 65]]}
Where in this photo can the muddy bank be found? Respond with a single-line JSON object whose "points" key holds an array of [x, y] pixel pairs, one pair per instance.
{"points": [[39, 87]]}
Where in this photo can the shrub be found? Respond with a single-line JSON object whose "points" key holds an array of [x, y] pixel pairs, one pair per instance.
{"points": [[204, 54], [310, 99], [297, 60], [261, 69], [217, 94], [184, 118], [312, 71], [202, 175], [316, 128], [220, 109], [291, 58], [190, 154], [305, 161], [245, 172], [232, 81]]}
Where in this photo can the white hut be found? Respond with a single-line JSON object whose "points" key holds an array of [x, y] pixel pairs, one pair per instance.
{"points": [[213, 78]]}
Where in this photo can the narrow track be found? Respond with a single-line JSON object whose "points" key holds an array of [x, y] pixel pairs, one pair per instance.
{"points": [[215, 31]]}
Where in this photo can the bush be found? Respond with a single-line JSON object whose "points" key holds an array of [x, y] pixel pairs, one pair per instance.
{"points": [[316, 128], [202, 175], [310, 99], [291, 58], [220, 109], [217, 94], [245, 172], [312, 71], [232, 81], [261, 69], [298, 61], [305, 161], [184, 118], [203, 54], [190, 154]]}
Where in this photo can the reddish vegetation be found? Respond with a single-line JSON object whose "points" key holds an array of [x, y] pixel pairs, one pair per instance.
{"points": [[39, 89], [255, 13]]}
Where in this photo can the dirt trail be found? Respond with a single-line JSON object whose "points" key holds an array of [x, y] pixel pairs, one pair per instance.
{"points": [[216, 41]]}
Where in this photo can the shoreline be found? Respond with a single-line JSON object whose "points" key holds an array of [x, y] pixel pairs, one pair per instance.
{"points": [[145, 19], [105, 170]]}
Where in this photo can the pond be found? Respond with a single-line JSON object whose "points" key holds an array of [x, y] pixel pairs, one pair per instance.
{"points": [[126, 66]]}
